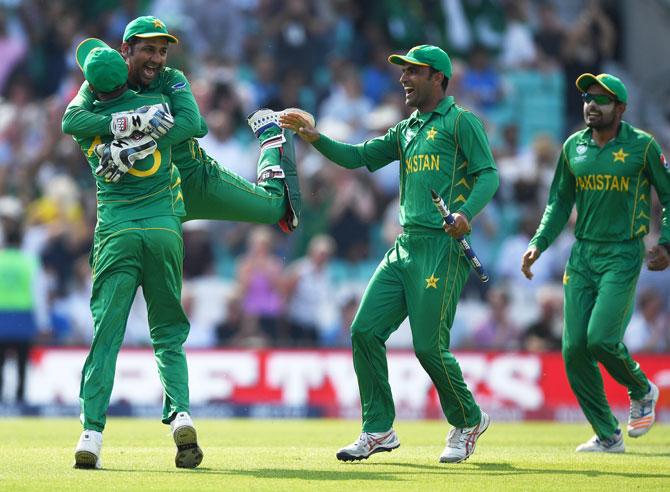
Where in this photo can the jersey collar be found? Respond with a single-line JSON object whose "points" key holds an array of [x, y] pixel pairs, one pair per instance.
{"points": [[624, 134], [442, 108]]}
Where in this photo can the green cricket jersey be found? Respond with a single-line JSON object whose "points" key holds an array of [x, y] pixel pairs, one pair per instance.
{"points": [[79, 121], [150, 189], [610, 187], [446, 150]]}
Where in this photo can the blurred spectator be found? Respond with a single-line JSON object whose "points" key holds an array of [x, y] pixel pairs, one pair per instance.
{"points": [[260, 281], [310, 293], [498, 331], [649, 328], [471, 22], [351, 213], [22, 305], [590, 42], [518, 48], [545, 333], [550, 33], [347, 103], [225, 148], [299, 36], [13, 47], [378, 77], [339, 334], [482, 82]]}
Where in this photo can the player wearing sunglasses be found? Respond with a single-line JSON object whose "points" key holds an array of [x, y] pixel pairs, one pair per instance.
{"points": [[606, 171]]}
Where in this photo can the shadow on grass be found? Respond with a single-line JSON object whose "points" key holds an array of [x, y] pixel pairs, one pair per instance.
{"points": [[366, 471]]}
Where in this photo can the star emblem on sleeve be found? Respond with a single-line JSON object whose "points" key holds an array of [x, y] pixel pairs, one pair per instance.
{"points": [[620, 155], [431, 282], [431, 134]]}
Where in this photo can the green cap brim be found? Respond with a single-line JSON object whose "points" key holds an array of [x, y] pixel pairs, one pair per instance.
{"points": [[586, 80], [85, 47], [401, 60], [170, 37]]}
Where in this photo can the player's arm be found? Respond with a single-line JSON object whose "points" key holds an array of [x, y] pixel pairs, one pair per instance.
{"points": [[374, 153], [472, 139], [187, 119], [79, 118], [658, 172], [559, 205]]}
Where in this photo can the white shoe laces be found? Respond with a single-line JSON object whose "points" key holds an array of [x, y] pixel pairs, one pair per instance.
{"points": [[456, 438], [640, 408]]}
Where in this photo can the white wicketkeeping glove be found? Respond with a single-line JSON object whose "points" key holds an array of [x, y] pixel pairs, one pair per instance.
{"points": [[119, 156], [151, 120]]}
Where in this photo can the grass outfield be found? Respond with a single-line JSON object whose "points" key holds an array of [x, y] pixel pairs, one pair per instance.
{"points": [[296, 455]]}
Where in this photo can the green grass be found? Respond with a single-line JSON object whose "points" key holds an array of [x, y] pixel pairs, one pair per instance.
{"points": [[296, 455]]}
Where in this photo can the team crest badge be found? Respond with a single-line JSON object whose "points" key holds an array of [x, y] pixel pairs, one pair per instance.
{"points": [[665, 163], [581, 149]]}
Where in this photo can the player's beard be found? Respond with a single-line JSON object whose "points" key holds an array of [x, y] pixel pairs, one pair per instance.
{"points": [[599, 120]]}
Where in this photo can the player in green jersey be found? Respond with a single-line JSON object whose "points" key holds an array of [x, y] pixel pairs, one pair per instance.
{"points": [[606, 171], [210, 191], [137, 242], [444, 147]]}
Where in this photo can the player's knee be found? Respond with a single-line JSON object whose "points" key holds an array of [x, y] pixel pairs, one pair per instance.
{"points": [[425, 352], [572, 351], [361, 334], [599, 348]]}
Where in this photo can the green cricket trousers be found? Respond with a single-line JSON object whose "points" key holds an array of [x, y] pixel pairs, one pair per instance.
{"points": [[147, 253], [421, 277], [599, 283], [213, 192]]}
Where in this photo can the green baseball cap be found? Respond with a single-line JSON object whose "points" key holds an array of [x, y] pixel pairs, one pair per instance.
{"points": [[104, 68], [610, 83], [425, 55], [148, 26]]}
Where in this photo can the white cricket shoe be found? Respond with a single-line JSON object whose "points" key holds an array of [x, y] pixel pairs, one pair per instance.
{"points": [[461, 442], [612, 444], [369, 443], [189, 454], [262, 119], [88, 450], [643, 412]]}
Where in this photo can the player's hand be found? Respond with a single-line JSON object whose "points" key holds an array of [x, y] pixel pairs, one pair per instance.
{"points": [[658, 258], [119, 156], [300, 125], [151, 120], [529, 257], [459, 228]]}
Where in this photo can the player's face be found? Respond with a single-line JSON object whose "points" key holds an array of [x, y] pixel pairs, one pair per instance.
{"points": [[418, 84], [599, 108], [146, 59]]}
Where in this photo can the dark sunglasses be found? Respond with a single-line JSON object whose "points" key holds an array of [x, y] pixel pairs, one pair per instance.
{"points": [[599, 99]]}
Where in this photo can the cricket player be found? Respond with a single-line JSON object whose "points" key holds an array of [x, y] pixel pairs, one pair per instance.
{"points": [[606, 171], [137, 242], [440, 146], [210, 191]]}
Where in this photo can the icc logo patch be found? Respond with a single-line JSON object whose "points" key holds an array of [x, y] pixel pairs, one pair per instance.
{"points": [[581, 149], [665, 163]]}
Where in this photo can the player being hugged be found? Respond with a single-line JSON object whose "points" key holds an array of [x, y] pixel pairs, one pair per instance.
{"points": [[606, 171], [137, 242]]}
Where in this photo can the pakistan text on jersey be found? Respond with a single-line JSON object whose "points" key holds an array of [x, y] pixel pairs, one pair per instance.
{"points": [[422, 162], [602, 182]]}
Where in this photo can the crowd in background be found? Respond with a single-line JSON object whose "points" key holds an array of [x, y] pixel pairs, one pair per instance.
{"points": [[515, 63]]}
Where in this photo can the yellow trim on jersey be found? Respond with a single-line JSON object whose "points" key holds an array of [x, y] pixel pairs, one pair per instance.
{"points": [[637, 189]]}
